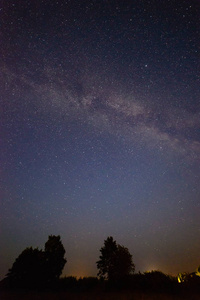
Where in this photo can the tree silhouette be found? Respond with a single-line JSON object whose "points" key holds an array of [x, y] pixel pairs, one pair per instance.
{"points": [[123, 262], [28, 269], [36, 268], [115, 261], [54, 254], [106, 262]]}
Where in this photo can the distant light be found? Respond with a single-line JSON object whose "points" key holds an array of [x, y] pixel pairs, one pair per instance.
{"points": [[151, 268]]}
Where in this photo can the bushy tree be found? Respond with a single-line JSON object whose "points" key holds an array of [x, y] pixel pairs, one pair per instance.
{"points": [[115, 261], [28, 269], [158, 281], [35, 268], [123, 262], [54, 254], [106, 262]]}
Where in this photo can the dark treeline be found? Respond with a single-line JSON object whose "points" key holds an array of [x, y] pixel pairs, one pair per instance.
{"points": [[36, 269]]}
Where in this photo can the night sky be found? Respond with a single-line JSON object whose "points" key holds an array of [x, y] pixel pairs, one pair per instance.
{"points": [[100, 130]]}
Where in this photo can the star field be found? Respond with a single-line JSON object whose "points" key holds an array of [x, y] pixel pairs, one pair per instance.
{"points": [[100, 130]]}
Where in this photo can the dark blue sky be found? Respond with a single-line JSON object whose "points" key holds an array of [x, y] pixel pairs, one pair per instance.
{"points": [[100, 130]]}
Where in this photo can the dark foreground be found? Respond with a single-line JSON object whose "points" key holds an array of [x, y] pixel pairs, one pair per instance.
{"points": [[148, 286], [21, 295]]}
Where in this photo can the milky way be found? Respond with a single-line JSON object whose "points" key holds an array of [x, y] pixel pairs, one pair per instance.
{"points": [[100, 131]]}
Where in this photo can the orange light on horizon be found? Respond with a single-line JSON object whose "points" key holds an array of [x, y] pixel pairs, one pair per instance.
{"points": [[78, 271]]}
